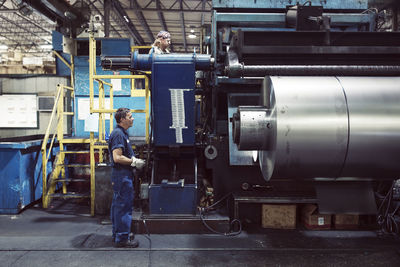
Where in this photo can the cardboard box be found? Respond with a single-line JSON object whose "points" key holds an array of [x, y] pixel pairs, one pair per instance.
{"points": [[279, 216], [345, 221], [313, 220]]}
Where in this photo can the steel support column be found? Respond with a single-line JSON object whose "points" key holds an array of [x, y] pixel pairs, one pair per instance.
{"points": [[183, 25]]}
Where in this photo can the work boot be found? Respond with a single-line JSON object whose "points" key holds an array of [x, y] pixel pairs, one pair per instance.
{"points": [[127, 244]]}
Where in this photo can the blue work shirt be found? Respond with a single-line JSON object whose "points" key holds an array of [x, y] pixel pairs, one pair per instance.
{"points": [[119, 138]]}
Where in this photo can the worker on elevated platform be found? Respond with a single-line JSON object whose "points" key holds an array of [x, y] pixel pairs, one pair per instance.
{"points": [[161, 44], [123, 160]]}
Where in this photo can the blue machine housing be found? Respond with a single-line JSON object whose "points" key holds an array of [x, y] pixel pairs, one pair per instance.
{"points": [[173, 103], [173, 188], [178, 196], [173, 108]]}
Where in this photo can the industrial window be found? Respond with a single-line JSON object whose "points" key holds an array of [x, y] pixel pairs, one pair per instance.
{"points": [[45, 103]]}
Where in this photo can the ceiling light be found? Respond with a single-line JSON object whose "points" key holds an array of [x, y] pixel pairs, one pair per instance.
{"points": [[191, 30], [192, 36], [46, 46], [126, 19], [3, 47]]}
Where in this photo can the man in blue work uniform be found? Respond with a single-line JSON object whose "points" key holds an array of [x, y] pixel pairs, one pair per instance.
{"points": [[124, 164]]}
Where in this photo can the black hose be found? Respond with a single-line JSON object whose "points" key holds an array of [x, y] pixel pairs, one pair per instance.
{"points": [[231, 231], [148, 238]]}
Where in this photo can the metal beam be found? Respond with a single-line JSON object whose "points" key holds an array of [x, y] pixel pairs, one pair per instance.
{"points": [[34, 23], [6, 10], [172, 7], [27, 30], [203, 6], [183, 25], [106, 16], [148, 4], [162, 20], [161, 16], [120, 11], [173, 10], [142, 20]]}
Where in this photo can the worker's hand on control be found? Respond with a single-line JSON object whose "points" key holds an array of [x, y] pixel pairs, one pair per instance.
{"points": [[138, 163]]}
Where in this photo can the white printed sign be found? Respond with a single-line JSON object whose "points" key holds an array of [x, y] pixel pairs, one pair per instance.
{"points": [[18, 111], [84, 107], [178, 112]]}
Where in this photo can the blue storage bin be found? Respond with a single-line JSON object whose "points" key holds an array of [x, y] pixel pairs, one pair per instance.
{"points": [[20, 175]]}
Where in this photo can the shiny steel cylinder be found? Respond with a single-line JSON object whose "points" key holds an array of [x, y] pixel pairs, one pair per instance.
{"points": [[252, 128], [312, 127], [145, 61], [374, 117], [330, 127]]}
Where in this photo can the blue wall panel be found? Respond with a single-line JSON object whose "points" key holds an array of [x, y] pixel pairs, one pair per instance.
{"points": [[57, 40], [139, 123], [61, 68], [82, 78], [122, 98]]}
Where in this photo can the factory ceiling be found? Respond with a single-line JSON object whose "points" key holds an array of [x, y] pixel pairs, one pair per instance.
{"points": [[26, 25]]}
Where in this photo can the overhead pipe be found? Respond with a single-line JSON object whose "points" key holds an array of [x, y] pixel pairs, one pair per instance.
{"points": [[240, 70]]}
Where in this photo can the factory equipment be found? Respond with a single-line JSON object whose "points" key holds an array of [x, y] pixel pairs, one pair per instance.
{"points": [[299, 104], [173, 187]]}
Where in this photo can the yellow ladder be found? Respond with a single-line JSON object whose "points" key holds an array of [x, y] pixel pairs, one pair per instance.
{"points": [[58, 173]]}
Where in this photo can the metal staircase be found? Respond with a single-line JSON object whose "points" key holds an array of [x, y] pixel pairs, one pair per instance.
{"points": [[57, 183]]}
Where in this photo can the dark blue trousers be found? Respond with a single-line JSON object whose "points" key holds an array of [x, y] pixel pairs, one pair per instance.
{"points": [[122, 206]]}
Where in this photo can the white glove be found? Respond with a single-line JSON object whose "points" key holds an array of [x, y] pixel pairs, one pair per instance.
{"points": [[138, 163]]}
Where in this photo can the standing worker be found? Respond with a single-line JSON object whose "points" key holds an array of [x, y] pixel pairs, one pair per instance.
{"points": [[122, 159], [162, 43]]}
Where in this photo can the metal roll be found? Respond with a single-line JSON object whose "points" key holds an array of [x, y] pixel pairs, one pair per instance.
{"points": [[144, 61], [374, 119], [252, 128], [312, 127], [330, 127], [115, 62]]}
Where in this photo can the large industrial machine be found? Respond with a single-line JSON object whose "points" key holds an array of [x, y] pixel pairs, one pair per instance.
{"points": [[285, 103]]}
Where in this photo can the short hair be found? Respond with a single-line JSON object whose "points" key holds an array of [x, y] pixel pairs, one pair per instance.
{"points": [[121, 113], [163, 35]]}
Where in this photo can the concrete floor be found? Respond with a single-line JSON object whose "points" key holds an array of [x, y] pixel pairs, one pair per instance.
{"points": [[66, 235]]}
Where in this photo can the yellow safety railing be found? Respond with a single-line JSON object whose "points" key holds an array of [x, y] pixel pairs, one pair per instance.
{"points": [[96, 144], [100, 143], [57, 115], [57, 112]]}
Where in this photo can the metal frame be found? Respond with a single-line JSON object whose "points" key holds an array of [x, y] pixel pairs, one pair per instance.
{"points": [[269, 200], [100, 143]]}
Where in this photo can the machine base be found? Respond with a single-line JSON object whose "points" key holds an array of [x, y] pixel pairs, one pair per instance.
{"points": [[178, 224]]}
